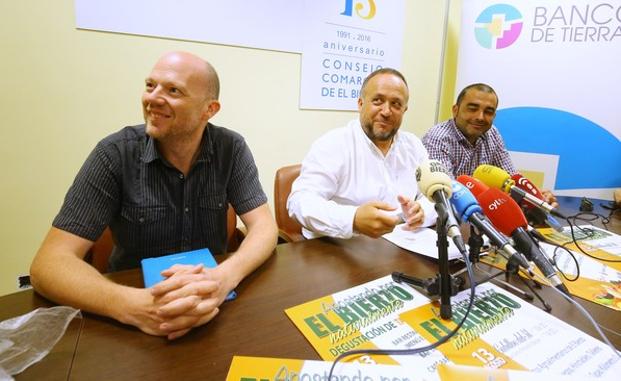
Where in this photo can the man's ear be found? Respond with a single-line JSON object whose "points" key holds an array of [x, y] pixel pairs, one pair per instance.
{"points": [[212, 109], [359, 104], [455, 108]]}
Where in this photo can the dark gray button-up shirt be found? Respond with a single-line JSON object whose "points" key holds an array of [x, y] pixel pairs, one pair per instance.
{"points": [[150, 206]]}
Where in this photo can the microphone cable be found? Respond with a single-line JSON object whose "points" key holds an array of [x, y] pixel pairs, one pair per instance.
{"points": [[555, 254], [587, 232], [588, 217], [414, 351], [573, 257], [587, 315]]}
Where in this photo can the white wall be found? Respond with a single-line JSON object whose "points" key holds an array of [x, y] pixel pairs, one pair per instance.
{"points": [[64, 89]]}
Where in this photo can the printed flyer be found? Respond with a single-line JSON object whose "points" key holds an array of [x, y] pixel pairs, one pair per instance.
{"points": [[599, 281], [597, 242], [273, 369], [501, 332]]}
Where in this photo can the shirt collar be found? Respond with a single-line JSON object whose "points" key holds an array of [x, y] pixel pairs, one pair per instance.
{"points": [[460, 136], [372, 146], [206, 148], [151, 153]]}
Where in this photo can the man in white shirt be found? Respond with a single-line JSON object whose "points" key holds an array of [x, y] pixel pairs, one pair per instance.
{"points": [[360, 179]]}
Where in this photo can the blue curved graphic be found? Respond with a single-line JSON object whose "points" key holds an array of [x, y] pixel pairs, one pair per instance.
{"points": [[589, 155]]}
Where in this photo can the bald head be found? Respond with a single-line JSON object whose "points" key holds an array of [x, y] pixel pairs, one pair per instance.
{"points": [[385, 70], [201, 70]]}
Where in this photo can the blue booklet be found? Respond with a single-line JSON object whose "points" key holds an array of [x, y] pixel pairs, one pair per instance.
{"points": [[153, 267]]}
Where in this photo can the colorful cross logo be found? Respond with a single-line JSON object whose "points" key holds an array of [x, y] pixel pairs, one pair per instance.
{"points": [[498, 26]]}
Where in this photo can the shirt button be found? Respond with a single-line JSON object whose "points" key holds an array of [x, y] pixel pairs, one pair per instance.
{"points": [[219, 205], [141, 219], [186, 209], [181, 176]]}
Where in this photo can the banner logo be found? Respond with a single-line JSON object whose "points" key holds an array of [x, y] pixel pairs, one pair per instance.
{"points": [[525, 183], [498, 26], [364, 9], [497, 203]]}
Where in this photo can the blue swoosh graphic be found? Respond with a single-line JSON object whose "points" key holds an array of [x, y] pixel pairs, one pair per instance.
{"points": [[589, 155]]}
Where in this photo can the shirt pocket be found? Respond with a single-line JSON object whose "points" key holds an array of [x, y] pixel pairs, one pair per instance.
{"points": [[212, 221], [213, 202], [144, 227]]}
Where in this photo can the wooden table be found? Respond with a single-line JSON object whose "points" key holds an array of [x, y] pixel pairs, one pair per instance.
{"points": [[254, 324], [57, 364]]}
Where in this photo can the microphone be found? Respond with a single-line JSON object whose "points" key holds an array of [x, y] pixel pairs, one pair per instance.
{"points": [[507, 216], [498, 178], [526, 185], [532, 213], [435, 184], [469, 210], [475, 186]]}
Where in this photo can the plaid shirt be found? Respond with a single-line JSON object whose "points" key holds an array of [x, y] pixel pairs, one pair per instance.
{"points": [[447, 144]]}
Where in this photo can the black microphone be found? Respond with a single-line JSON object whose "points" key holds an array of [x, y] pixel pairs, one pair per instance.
{"points": [[435, 184], [507, 216], [527, 244]]}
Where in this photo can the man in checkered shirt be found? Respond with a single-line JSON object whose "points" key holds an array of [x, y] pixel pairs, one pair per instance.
{"points": [[469, 139]]}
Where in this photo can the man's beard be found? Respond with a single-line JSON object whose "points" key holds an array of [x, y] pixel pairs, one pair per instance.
{"points": [[381, 137]]}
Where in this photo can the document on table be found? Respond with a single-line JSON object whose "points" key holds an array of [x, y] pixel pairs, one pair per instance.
{"points": [[590, 237], [421, 241], [502, 331]]}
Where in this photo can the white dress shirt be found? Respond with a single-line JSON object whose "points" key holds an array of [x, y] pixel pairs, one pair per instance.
{"points": [[344, 169]]}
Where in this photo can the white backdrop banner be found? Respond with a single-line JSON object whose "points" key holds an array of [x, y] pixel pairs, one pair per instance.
{"points": [[263, 24], [343, 42], [555, 67]]}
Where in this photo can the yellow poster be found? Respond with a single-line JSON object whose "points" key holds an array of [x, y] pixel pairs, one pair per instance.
{"points": [[273, 369], [501, 331], [601, 245], [588, 277]]}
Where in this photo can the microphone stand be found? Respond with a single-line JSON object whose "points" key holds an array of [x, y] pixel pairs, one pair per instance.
{"points": [[444, 284], [475, 241], [445, 276]]}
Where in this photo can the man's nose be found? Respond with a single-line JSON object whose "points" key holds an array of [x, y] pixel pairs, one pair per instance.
{"points": [[153, 96], [386, 109], [480, 115]]}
